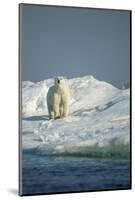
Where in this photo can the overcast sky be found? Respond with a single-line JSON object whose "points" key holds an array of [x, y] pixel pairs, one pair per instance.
{"points": [[75, 42]]}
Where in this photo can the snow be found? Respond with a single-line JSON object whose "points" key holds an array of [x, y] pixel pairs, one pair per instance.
{"points": [[99, 118]]}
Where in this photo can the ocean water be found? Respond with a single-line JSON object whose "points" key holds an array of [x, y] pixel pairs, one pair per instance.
{"points": [[57, 174]]}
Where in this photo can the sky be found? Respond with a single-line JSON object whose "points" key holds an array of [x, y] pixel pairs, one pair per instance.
{"points": [[74, 42]]}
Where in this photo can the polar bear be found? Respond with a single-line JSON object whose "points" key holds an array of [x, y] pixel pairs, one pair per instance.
{"points": [[58, 98]]}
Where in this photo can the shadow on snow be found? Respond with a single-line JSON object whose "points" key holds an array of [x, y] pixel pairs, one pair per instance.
{"points": [[36, 118]]}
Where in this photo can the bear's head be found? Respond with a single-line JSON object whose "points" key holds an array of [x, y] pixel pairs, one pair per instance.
{"points": [[60, 81]]}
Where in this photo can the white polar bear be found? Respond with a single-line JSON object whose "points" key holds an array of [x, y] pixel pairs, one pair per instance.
{"points": [[58, 99]]}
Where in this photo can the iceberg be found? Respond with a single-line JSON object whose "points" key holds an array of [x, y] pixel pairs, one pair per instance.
{"points": [[98, 123]]}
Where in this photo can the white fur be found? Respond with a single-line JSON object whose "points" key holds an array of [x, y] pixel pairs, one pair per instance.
{"points": [[58, 99]]}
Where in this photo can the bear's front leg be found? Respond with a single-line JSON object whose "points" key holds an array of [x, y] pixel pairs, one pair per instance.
{"points": [[61, 111], [56, 111], [50, 112], [51, 115], [65, 109]]}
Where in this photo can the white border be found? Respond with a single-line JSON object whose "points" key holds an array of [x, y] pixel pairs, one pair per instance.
{"points": [[9, 97]]}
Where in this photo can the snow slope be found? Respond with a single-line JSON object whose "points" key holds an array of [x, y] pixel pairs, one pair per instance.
{"points": [[98, 124]]}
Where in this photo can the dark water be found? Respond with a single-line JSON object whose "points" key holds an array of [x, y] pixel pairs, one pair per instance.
{"points": [[48, 174]]}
